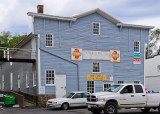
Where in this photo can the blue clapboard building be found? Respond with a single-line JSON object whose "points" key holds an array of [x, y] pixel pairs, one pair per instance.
{"points": [[85, 52]]}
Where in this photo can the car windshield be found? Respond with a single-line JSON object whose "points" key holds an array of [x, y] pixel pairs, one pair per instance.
{"points": [[68, 95], [114, 88]]}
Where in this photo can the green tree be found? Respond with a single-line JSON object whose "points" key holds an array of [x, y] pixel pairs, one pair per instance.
{"points": [[152, 46]]}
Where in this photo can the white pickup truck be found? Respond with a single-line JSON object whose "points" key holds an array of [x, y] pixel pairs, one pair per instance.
{"points": [[123, 96]]}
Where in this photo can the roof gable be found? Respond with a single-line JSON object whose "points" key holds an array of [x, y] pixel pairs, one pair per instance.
{"points": [[100, 12]]}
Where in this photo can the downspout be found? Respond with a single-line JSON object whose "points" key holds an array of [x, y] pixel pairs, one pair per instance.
{"points": [[128, 39], [67, 61], [32, 24]]}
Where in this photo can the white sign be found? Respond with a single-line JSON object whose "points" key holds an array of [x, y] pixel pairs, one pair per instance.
{"points": [[42, 89], [96, 55], [76, 54]]}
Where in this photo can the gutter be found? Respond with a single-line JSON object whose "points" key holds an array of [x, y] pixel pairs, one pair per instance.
{"points": [[134, 26], [67, 61], [51, 16]]}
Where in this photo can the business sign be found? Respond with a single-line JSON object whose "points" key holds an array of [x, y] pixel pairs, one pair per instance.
{"points": [[96, 77], [136, 58], [115, 55], [96, 55], [76, 54]]}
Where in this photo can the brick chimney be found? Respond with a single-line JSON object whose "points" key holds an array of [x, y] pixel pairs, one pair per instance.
{"points": [[39, 8]]}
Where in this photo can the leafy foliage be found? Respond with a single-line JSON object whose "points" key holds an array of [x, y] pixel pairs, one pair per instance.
{"points": [[9, 41], [152, 48]]}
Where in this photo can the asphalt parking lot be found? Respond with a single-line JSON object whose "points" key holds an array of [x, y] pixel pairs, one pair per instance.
{"points": [[8, 110]]}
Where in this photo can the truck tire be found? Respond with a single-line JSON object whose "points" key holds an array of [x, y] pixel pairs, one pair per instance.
{"points": [[110, 108], [146, 109], [96, 111], [65, 106], [159, 109]]}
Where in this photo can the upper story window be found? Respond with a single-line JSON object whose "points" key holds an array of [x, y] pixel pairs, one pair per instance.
{"points": [[96, 67], [49, 40], [96, 28], [136, 46]]}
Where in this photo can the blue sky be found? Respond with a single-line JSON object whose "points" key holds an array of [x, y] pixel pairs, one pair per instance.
{"points": [[14, 12]]}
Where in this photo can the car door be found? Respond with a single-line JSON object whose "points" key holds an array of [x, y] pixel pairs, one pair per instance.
{"points": [[126, 98], [77, 100], [140, 96], [84, 98]]}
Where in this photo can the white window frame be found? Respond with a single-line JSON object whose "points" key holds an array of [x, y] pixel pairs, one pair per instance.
{"points": [[109, 82], [46, 40], [11, 81], [34, 79], [137, 81], [27, 80], [136, 46], [99, 67], [121, 81], [46, 77], [2, 83], [93, 28], [90, 86]]}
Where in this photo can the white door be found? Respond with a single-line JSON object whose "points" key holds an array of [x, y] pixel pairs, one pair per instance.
{"points": [[60, 81]]}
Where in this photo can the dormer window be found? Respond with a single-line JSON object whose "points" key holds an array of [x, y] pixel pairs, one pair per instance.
{"points": [[96, 28]]}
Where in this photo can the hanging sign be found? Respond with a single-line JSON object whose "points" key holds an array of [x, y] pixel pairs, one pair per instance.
{"points": [[115, 55], [96, 77]]}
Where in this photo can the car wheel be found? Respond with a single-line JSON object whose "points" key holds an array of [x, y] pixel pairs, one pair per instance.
{"points": [[146, 109], [65, 106], [110, 108], [96, 111]]}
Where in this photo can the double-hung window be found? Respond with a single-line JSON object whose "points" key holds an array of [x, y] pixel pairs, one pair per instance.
{"points": [[96, 67], [49, 40], [90, 86], [137, 46], [121, 82], [96, 28], [50, 77]]}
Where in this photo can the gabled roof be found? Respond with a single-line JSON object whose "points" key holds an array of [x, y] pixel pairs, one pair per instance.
{"points": [[100, 12]]}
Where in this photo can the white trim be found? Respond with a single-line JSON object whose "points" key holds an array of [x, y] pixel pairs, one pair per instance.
{"points": [[99, 68], [54, 77], [27, 80], [94, 85], [137, 83], [135, 26], [11, 81], [34, 75], [93, 26], [52, 40], [33, 24], [2, 83], [51, 16], [139, 46], [121, 83], [38, 64]]}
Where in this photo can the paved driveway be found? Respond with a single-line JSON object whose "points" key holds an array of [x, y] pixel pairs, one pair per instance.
{"points": [[58, 111]]}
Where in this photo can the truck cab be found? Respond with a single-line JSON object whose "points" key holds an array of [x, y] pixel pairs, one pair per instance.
{"points": [[122, 96]]}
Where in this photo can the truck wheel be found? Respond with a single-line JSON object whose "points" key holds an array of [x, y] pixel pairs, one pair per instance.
{"points": [[146, 109], [110, 108], [65, 106], [96, 111]]}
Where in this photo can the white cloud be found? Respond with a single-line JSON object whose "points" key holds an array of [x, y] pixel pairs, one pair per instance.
{"points": [[150, 21]]}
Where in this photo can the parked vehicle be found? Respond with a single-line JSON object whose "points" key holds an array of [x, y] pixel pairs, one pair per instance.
{"points": [[73, 99], [123, 96]]}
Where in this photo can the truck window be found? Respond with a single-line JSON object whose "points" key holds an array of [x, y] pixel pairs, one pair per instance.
{"points": [[138, 88], [127, 89]]}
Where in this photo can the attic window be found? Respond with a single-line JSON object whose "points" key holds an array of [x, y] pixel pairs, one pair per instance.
{"points": [[96, 28]]}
